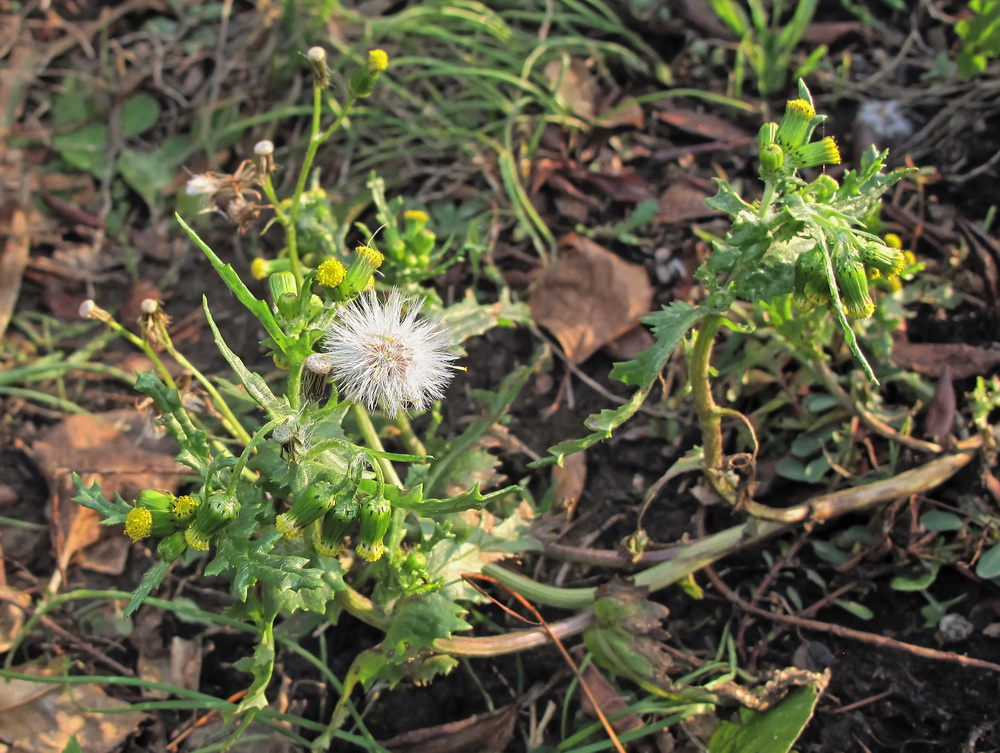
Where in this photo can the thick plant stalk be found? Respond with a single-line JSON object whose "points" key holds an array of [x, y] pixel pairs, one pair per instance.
{"points": [[698, 554], [709, 414]]}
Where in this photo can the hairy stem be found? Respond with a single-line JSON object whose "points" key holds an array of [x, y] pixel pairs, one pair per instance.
{"points": [[709, 414]]}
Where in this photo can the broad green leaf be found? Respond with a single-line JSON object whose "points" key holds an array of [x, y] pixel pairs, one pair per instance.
{"points": [[139, 114], [858, 610], [918, 582], [85, 148], [989, 564], [827, 551], [941, 520], [147, 173], [771, 731], [72, 746], [669, 326]]}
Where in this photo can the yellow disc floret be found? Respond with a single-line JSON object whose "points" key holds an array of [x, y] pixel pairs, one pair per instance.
{"points": [[378, 60], [330, 273], [138, 523]]}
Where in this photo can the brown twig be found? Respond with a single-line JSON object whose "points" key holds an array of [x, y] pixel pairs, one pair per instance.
{"points": [[844, 632]]}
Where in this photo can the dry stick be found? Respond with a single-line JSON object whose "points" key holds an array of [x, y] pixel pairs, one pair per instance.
{"points": [[844, 632], [684, 559]]}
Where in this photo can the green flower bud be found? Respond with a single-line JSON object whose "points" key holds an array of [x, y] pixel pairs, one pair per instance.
{"points": [[422, 243], [284, 293], [881, 260], [772, 158], [794, 128], [154, 500], [811, 286], [375, 516], [366, 261], [414, 220], [822, 152], [211, 517], [309, 507], [330, 542], [172, 547], [261, 268], [853, 284]]}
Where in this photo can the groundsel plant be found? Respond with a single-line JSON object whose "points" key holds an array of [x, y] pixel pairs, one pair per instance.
{"points": [[292, 495], [801, 252]]}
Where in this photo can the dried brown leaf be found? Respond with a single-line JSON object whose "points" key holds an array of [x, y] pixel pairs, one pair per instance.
{"points": [[569, 481], [684, 201], [930, 359], [41, 718], [705, 125], [13, 260], [608, 699], [483, 733], [99, 451], [589, 296], [941, 411]]}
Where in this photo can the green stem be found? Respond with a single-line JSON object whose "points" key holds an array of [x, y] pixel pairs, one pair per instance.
{"points": [[709, 414], [394, 537], [770, 191], [407, 436]]}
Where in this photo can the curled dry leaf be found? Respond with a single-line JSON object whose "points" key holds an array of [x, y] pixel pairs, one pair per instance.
{"points": [[588, 297], [941, 411], [568, 481], [608, 699]]}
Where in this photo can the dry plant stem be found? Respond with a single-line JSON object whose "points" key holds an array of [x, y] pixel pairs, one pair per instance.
{"points": [[820, 368], [703, 552], [709, 414], [843, 632]]}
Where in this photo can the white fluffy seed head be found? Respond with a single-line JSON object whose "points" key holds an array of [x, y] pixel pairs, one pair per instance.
{"points": [[385, 357]]}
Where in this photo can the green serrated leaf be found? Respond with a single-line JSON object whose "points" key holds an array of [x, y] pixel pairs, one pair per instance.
{"points": [[151, 580], [469, 318], [604, 423], [669, 326], [774, 730], [112, 513]]}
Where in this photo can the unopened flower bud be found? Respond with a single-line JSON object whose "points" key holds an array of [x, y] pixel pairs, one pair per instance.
{"points": [[210, 518], [309, 507], [285, 293], [366, 261], [172, 547], [882, 261], [853, 284], [260, 268], [795, 125], [375, 517]]}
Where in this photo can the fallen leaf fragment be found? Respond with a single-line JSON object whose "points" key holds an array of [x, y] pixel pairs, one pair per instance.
{"points": [[13, 260], [483, 733], [684, 201], [941, 411], [38, 717], [99, 451], [608, 699], [569, 481], [930, 359], [589, 296], [705, 125]]}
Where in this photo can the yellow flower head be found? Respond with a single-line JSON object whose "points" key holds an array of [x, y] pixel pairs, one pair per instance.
{"points": [[378, 60], [138, 523], [330, 273]]}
